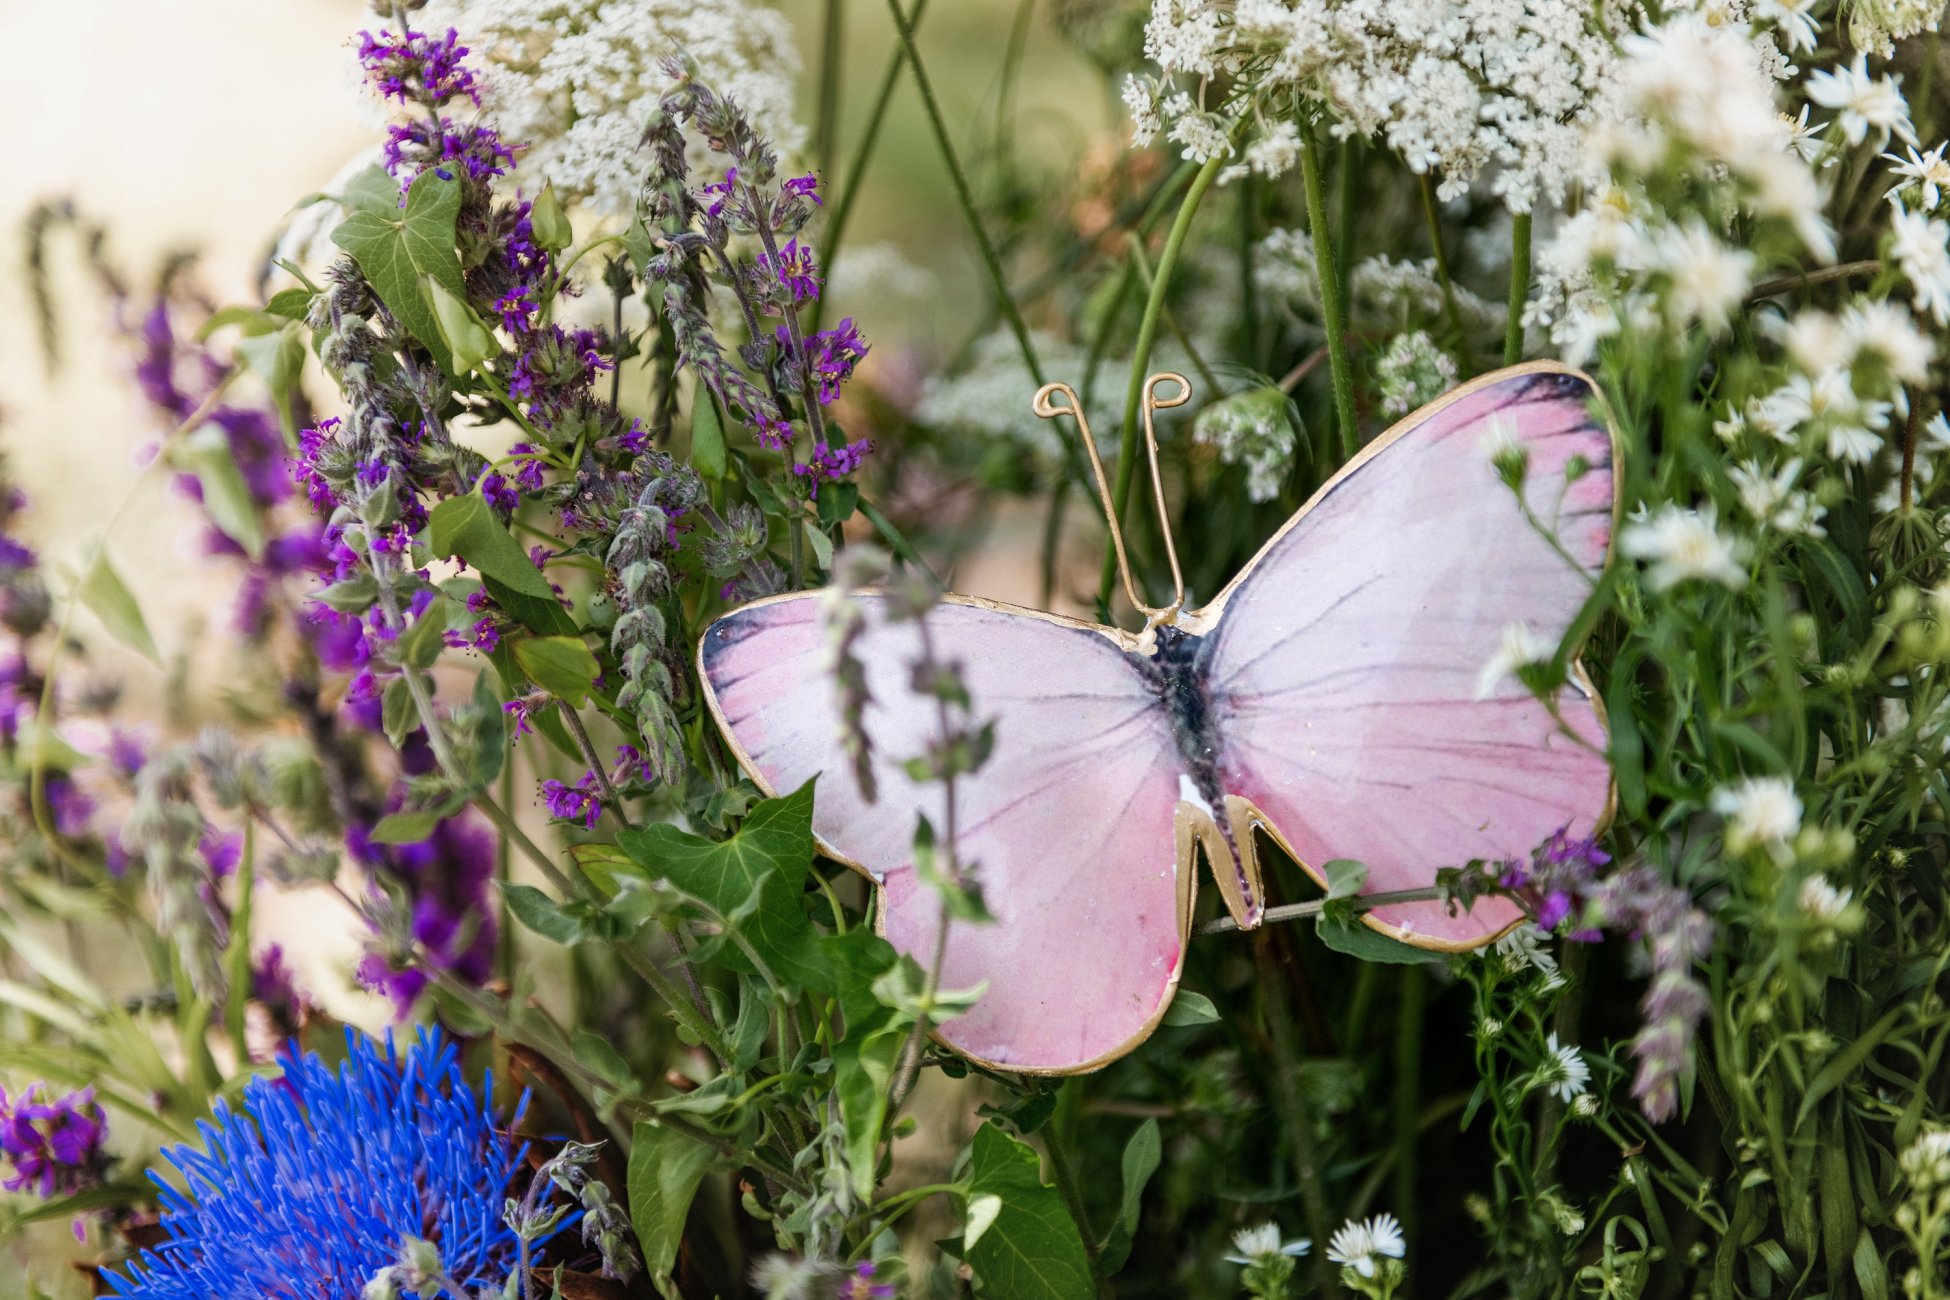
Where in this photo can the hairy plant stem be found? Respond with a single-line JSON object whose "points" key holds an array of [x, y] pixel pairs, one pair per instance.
{"points": [[1519, 288], [963, 195], [1333, 309], [1154, 306], [910, 1059], [611, 800], [1909, 450]]}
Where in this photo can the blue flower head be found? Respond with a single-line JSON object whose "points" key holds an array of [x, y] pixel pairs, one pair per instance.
{"points": [[308, 1190]]}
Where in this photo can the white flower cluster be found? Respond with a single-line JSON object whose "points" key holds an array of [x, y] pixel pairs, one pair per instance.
{"points": [[1254, 429], [1461, 88], [575, 80], [1411, 372]]}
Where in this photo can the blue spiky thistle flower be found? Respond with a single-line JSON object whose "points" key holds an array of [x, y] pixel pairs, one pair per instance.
{"points": [[323, 1176]]}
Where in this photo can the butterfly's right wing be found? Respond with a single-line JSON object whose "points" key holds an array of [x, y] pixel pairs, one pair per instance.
{"points": [[1348, 664], [1070, 825]]}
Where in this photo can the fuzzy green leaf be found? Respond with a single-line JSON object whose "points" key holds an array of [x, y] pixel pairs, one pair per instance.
{"points": [[1359, 940], [707, 436], [226, 496]]}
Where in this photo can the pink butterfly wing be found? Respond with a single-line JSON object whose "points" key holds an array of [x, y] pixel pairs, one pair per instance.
{"points": [[1348, 657], [1069, 825]]}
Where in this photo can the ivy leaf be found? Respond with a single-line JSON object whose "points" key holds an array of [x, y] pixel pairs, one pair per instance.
{"points": [[465, 526], [665, 1169], [1369, 944], [206, 454], [1030, 1250], [755, 880], [396, 248], [372, 190], [110, 600], [560, 665]]}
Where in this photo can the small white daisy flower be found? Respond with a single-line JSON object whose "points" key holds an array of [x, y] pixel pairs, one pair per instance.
{"points": [[1760, 810]]}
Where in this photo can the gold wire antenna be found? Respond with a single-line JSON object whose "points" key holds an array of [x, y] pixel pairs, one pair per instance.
{"points": [[1153, 403]]}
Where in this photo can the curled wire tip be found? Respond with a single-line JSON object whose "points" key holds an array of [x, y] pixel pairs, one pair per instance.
{"points": [[1042, 405], [1182, 396]]}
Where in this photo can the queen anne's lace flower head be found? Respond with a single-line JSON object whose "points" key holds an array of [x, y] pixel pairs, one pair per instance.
{"points": [[574, 80]]}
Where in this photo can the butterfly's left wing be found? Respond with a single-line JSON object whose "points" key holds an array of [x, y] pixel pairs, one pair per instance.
{"points": [[1070, 825], [1347, 666]]}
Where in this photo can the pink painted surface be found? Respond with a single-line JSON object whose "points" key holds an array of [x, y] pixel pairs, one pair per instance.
{"points": [[1347, 661], [1069, 825]]}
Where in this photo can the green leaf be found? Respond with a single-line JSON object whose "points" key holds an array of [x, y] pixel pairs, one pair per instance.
{"points": [[226, 496], [1344, 877], [707, 436], [396, 248], [756, 880], [1189, 1008], [1031, 1250], [1141, 1158], [863, 1070], [836, 503], [597, 1054], [372, 190], [560, 665], [549, 222], [278, 359], [467, 339], [465, 526], [822, 545], [397, 712], [111, 601], [422, 643], [542, 914], [292, 304], [406, 827], [1359, 940], [665, 1169]]}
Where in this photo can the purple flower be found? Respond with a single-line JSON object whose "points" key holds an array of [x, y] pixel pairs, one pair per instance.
{"points": [[831, 464], [273, 982], [803, 187], [860, 1284], [417, 68], [517, 308], [448, 877], [222, 852], [718, 193], [412, 147], [795, 268], [835, 352], [500, 493], [312, 445], [55, 1147], [573, 802], [71, 807]]}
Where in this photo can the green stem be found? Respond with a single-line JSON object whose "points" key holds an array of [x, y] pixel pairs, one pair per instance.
{"points": [[1408, 1082], [1293, 1110], [1519, 287], [897, 540], [1154, 306], [965, 197], [826, 128], [1213, 387], [1333, 309], [1432, 215]]}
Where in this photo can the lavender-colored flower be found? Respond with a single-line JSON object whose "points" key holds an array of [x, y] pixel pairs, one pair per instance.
{"points": [[831, 464], [412, 147], [801, 187], [417, 68], [795, 269], [309, 1188], [54, 1146], [860, 1284], [447, 878], [69, 804], [576, 802]]}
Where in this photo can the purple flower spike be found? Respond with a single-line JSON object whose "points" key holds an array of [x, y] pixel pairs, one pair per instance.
{"points": [[795, 268]]}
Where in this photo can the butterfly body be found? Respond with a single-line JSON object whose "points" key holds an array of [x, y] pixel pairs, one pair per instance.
{"points": [[1333, 699]]}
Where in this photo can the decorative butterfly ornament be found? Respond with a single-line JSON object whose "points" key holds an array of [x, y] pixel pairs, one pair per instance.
{"points": [[1332, 698]]}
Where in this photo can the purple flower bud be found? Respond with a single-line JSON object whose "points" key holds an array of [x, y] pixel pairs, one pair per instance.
{"points": [[55, 1147]]}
